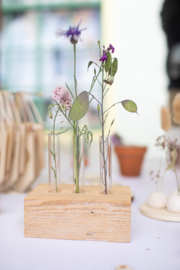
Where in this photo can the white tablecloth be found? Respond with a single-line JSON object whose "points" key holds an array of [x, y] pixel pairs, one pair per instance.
{"points": [[155, 245]]}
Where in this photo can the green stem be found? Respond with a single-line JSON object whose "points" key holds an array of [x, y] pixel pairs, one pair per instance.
{"points": [[76, 180], [64, 114], [94, 80], [104, 161], [54, 151], [75, 86], [112, 106], [95, 98], [75, 136]]}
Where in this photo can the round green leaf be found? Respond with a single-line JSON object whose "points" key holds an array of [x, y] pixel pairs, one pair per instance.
{"points": [[129, 106], [79, 107]]}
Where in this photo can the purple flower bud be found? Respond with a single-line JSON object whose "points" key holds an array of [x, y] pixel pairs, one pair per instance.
{"points": [[111, 48], [74, 39]]}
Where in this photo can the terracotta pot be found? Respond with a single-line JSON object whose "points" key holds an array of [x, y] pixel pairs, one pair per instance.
{"points": [[130, 159]]}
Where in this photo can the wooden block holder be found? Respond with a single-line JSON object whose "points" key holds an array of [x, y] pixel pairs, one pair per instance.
{"points": [[84, 216]]}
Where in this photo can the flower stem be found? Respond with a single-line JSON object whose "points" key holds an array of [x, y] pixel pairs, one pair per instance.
{"points": [[54, 156], [75, 84], [76, 180], [103, 153], [75, 136]]}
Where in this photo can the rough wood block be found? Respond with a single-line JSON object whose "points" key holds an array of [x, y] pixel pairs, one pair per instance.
{"points": [[85, 216]]}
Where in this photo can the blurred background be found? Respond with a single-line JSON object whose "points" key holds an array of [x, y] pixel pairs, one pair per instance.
{"points": [[34, 60]]}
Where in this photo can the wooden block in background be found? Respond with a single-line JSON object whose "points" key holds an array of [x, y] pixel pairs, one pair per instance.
{"points": [[85, 216]]}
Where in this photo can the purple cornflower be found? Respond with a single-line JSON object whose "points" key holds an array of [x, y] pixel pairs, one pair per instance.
{"points": [[111, 48], [104, 57], [73, 33]]}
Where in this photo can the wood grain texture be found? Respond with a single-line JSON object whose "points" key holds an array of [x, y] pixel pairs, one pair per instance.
{"points": [[160, 214], [85, 216]]}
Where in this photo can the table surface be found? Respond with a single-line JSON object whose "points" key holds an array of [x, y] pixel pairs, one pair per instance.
{"points": [[154, 244]]}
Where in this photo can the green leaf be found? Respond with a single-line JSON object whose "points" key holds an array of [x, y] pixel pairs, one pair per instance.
{"points": [[114, 67], [49, 106], [94, 71], [89, 64], [129, 106], [63, 131], [70, 91], [79, 107], [52, 153], [110, 80], [88, 135], [54, 172], [108, 62]]}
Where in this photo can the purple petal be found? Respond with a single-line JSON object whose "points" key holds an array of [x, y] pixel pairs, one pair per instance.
{"points": [[104, 57], [111, 48], [71, 32]]}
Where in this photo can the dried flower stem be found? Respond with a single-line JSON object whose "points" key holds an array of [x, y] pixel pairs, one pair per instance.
{"points": [[177, 182], [159, 171]]}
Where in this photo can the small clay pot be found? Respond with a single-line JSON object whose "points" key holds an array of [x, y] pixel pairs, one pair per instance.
{"points": [[130, 159]]}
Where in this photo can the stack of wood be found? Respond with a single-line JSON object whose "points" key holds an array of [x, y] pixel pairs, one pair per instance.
{"points": [[21, 142]]}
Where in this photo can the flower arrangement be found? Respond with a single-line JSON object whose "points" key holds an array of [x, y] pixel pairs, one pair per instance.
{"points": [[62, 104], [73, 107], [171, 150], [173, 202], [107, 68]]}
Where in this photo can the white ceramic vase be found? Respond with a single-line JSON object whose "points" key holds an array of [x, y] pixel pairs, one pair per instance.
{"points": [[173, 203], [157, 200]]}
